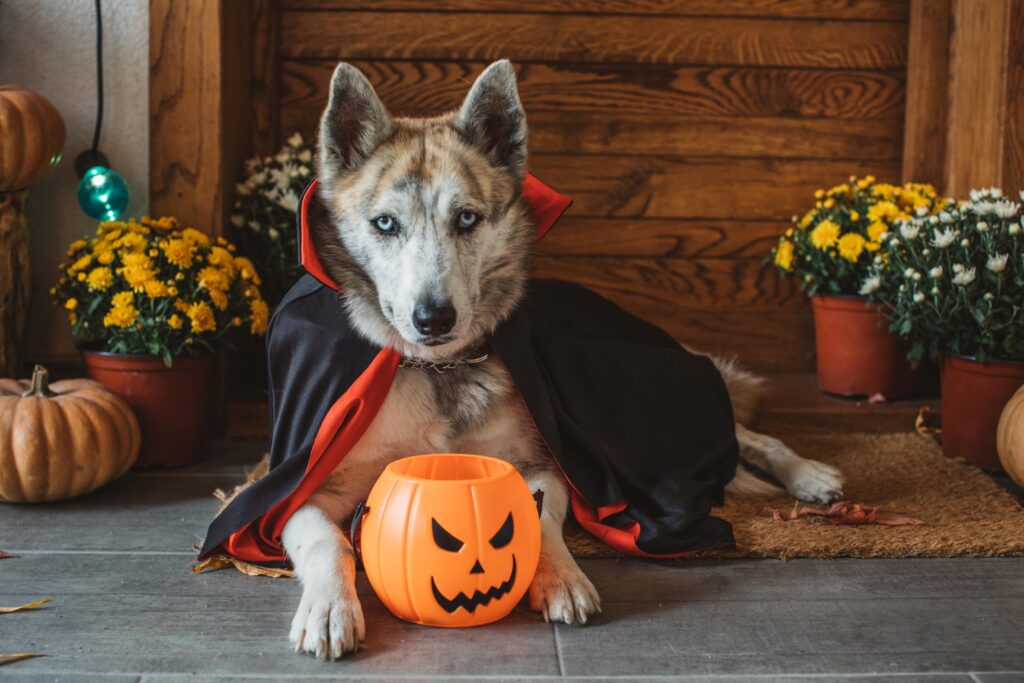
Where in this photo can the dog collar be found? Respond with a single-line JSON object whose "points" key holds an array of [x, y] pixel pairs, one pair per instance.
{"points": [[477, 358], [547, 206]]}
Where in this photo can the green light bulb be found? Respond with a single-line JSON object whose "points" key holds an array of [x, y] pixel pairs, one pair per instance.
{"points": [[102, 193]]}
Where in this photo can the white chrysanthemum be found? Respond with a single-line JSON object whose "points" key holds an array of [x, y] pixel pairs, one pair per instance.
{"points": [[919, 297], [305, 156], [909, 272], [936, 272], [982, 226], [1007, 209], [921, 212], [946, 217], [254, 226], [870, 284], [997, 263], [965, 242], [242, 189], [958, 268], [936, 291], [295, 140], [964, 278], [288, 201], [909, 230], [274, 234], [945, 238], [237, 220]]}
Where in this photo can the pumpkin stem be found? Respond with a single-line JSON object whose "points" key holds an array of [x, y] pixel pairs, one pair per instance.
{"points": [[40, 383]]}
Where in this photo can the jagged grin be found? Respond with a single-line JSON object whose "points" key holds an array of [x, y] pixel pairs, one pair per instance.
{"points": [[471, 603]]}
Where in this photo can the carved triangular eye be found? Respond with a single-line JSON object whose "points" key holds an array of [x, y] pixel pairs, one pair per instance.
{"points": [[443, 539], [504, 535]]}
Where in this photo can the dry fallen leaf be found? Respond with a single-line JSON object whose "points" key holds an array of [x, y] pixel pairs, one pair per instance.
{"points": [[6, 554], [22, 608], [221, 561], [845, 512], [17, 657]]}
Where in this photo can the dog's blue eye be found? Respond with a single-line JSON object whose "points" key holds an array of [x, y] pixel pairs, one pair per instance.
{"points": [[385, 223], [468, 220]]}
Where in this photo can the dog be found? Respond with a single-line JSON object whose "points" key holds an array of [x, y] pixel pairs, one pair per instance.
{"points": [[408, 203]]}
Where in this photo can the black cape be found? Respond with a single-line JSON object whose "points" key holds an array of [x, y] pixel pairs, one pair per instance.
{"points": [[642, 429]]}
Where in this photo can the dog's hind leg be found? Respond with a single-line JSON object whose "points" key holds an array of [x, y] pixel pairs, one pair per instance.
{"points": [[560, 590], [329, 622], [805, 479]]}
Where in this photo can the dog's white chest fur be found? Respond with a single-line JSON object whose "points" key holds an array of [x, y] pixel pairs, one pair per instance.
{"points": [[467, 410]]}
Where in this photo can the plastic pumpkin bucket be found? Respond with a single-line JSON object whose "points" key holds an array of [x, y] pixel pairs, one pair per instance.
{"points": [[450, 539]]}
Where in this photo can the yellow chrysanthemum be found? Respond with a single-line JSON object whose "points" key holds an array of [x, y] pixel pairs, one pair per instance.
{"points": [[784, 255], [179, 252], [124, 299], [884, 190], [806, 220], [260, 314], [825, 235], [850, 246], [137, 270], [99, 279], [133, 242], [75, 246], [71, 304], [829, 203], [80, 264], [876, 230], [213, 278], [105, 257], [202, 318], [175, 322], [219, 298], [155, 289], [251, 292], [872, 246], [195, 236], [120, 316], [883, 211], [221, 258]]}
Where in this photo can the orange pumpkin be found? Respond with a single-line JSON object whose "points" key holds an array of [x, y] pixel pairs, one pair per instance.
{"points": [[1010, 437], [61, 440], [449, 539], [31, 137]]}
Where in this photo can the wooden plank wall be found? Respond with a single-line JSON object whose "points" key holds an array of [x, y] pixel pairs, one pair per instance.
{"points": [[688, 131]]}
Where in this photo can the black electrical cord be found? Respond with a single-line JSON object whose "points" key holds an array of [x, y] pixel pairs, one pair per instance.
{"points": [[93, 156], [99, 77]]}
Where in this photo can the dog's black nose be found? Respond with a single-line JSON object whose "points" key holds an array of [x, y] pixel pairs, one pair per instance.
{"points": [[433, 319]]}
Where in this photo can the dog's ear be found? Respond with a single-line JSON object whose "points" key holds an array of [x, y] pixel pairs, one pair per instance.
{"points": [[492, 117], [353, 125]]}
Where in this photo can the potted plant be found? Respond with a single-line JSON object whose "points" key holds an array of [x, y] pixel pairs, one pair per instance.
{"points": [[149, 303], [953, 285], [264, 214], [831, 250]]}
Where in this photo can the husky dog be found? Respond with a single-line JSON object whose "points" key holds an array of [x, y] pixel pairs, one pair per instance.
{"points": [[425, 232]]}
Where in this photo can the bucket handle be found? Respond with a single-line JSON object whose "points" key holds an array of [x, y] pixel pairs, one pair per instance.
{"points": [[357, 517]]}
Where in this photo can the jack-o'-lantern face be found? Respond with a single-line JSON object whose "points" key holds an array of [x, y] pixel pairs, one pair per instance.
{"points": [[450, 540]]}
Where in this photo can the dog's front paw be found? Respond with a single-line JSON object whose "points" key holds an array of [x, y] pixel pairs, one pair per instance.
{"points": [[328, 624], [562, 592], [815, 482]]}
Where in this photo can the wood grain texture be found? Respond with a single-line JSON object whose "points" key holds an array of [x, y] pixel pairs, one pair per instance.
{"points": [[656, 187], [594, 38], [661, 238], [15, 279], [265, 25], [184, 108], [551, 132], [982, 53], [679, 285], [613, 90], [886, 10], [924, 133]]}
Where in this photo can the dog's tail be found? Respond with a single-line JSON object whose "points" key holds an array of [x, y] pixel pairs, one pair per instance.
{"points": [[745, 388]]}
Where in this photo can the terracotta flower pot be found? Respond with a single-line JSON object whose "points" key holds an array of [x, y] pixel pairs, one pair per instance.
{"points": [[171, 403], [857, 356], [973, 397]]}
